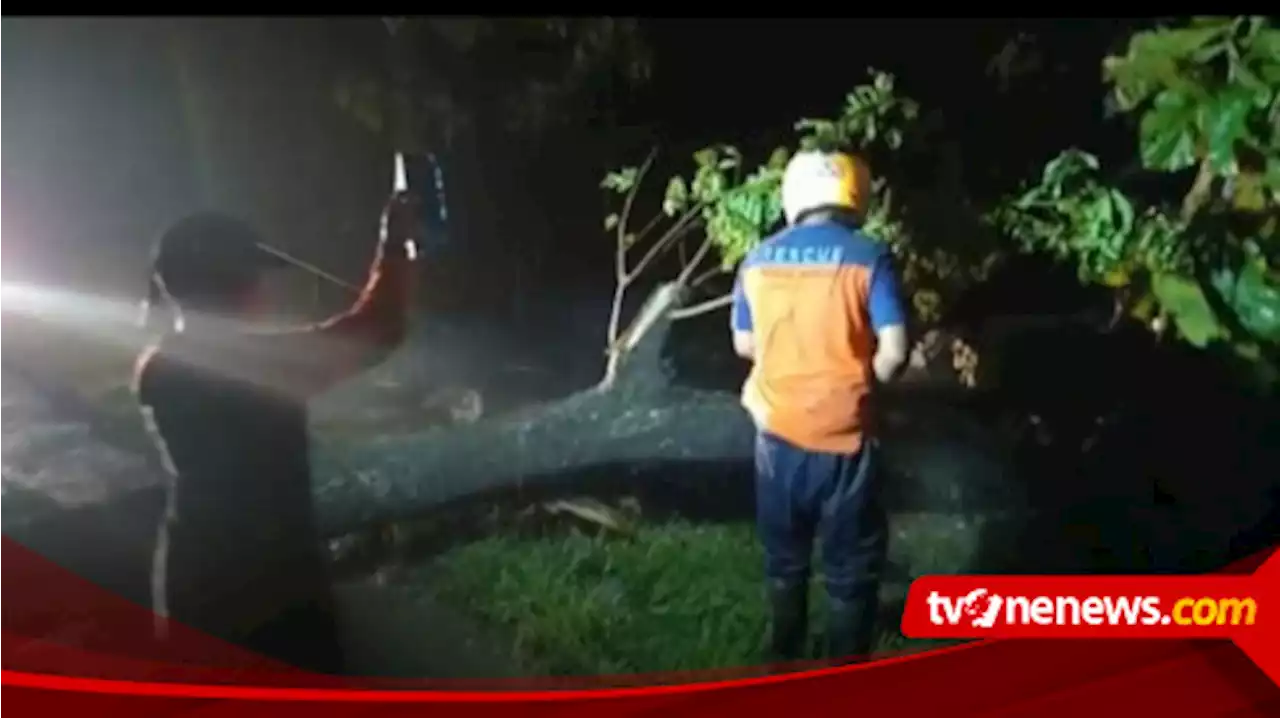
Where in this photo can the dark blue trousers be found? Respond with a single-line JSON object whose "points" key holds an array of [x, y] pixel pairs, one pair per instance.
{"points": [[803, 496]]}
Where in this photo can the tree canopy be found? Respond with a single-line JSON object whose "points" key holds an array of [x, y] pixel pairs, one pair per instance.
{"points": [[1205, 97]]}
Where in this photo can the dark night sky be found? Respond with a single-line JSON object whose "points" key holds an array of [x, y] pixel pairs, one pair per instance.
{"points": [[100, 153], [730, 76]]}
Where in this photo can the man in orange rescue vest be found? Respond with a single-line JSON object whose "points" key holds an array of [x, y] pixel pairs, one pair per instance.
{"points": [[817, 311]]}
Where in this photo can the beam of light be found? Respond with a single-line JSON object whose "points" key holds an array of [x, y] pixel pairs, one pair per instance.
{"points": [[65, 308], [276, 358]]}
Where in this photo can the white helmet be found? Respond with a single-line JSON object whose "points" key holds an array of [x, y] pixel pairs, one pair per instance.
{"points": [[815, 180]]}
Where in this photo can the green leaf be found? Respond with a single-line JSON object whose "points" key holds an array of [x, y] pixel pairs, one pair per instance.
{"points": [[1153, 61], [822, 134], [779, 158], [1185, 41], [1273, 173], [1254, 299], [705, 157], [1223, 122], [621, 181], [708, 183], [1249, 81], [676, 199], [1191, 312], [1222, 21], [1123, 210], [1264, 54], [1167, 133], [1066, 166], [812, 125]]}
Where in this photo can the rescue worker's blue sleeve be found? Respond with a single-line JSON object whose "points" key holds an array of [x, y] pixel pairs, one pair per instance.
{"points": [[884, 301], [741, 309]]}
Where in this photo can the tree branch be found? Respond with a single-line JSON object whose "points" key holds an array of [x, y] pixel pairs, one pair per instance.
{"points": [[678, 230], [621, 277], [683, 279], [653, 222], [709, 305], [705, 276], [1200, 192], [625, 218]]}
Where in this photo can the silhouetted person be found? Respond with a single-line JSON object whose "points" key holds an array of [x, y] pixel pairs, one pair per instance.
{"points": [[238, 555], [816, 309]]}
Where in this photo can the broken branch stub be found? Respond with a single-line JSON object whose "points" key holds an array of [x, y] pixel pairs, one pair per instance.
{"points": [[635, 359]]}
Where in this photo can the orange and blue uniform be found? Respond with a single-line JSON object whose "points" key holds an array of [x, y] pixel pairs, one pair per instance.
{"points": [[813, 297]]}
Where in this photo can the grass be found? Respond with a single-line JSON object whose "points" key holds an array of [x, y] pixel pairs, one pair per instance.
{"points": [[673, 596], [663, 596]]}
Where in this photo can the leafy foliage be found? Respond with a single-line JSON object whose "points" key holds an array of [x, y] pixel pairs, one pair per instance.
{"points": [[1206, 96], [737, 210], [1204, 90]]}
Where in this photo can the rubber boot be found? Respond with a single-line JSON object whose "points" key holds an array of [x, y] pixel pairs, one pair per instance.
{"points": [[789, 621], [851, 629]]}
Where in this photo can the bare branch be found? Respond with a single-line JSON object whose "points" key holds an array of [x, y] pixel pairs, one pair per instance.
{"points": [[702, 307], [621, 277], [705, 276], [678, 230], [653, 222], [683, 279], [1200, 192], [615, 314], [625, 218]]}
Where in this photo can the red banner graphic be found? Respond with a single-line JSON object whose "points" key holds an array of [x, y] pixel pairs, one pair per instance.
{"points": [[70, 646], [1240, 608]]}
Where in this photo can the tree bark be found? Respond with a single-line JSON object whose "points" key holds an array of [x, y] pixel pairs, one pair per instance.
{"points": [[399, 478], [636, 418], [941, 464], [941, 460]]}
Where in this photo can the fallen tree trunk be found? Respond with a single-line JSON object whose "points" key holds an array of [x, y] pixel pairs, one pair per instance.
{"points": [[636, 424], [392, 479]]}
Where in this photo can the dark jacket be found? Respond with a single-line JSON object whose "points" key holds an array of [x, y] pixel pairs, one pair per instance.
{"points": [[238, 554]]}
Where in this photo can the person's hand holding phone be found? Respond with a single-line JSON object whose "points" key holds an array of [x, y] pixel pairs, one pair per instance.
{"points": [[400, 215]]}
